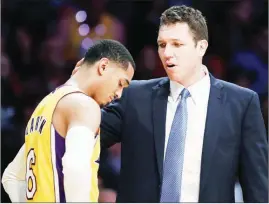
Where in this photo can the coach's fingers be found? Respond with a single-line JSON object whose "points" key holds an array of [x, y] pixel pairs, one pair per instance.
{"points": [[79, 63], [75, 70]]}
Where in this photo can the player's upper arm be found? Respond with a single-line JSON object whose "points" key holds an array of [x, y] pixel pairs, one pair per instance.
{"points": [[80, 110], [82, 115]]}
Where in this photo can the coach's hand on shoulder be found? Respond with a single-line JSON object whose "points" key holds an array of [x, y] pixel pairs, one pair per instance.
{"points": [[79, 63]]}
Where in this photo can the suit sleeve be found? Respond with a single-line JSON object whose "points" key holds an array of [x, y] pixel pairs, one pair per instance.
{"points": [[253, 169], [112, 121]]}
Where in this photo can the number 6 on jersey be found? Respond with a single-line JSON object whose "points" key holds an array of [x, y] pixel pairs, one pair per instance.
{"points": [[30, 176]]}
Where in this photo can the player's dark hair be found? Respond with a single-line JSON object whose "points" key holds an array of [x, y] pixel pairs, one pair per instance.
{"points": [[111, 49], [184, 14]]}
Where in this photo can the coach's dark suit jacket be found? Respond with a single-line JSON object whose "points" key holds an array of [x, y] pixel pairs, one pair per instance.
{"points": [[234, 145]]}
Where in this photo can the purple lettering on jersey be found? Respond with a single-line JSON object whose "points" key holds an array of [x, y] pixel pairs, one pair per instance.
{"points": [[37, 123], [42, 125], [32, 125], [26, 130]]}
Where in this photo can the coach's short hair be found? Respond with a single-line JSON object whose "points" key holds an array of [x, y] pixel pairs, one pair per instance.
{"points": [[111, 49], [184, 14]]}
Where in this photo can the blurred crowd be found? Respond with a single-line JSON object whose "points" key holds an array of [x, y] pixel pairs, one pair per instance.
{"points": [[42, 40]]}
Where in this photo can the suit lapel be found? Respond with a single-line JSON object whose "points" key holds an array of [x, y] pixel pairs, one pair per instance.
{"points": [[212, 128], [160, 95]]}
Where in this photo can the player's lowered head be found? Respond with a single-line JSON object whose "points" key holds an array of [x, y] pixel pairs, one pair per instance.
{"points": [[182, 43], [105, 70]]}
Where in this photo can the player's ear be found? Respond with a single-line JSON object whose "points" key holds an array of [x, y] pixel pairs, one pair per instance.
{"points": [[102, 66]]}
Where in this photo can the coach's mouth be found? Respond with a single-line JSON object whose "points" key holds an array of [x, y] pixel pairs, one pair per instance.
{"points": [[170, 66]]}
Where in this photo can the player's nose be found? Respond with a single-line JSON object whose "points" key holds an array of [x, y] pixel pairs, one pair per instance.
{"points": [[118, 93]]}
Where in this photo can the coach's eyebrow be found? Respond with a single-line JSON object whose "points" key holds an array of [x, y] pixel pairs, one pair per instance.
{"points": [[159, 41]]}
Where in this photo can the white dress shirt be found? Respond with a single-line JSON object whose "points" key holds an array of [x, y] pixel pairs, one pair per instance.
{"points": [[197, 110]]}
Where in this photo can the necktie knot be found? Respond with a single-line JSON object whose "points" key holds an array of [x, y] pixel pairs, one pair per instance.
{"points": [[185, 93]]}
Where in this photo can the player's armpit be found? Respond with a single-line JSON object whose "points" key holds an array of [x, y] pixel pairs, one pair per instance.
{"points": [[13, 178]]}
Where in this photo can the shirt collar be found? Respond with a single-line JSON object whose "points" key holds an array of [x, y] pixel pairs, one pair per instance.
{"points": [[198, 90]]}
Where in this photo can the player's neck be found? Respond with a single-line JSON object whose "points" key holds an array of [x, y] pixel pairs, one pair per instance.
{"points": [[86, 85]]}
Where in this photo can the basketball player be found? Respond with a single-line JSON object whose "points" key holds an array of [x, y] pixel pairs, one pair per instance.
{"points": [[59, 160]]}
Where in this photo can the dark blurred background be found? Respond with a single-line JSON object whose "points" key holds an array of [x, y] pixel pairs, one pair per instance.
{"points": [[41, 41]]}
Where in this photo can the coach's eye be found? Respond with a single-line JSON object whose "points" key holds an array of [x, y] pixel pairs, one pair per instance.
{"points": [[177, 44], [162, 45]]}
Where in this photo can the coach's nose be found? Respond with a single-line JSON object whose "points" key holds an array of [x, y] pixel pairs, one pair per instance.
{"points": [[168, 52]]}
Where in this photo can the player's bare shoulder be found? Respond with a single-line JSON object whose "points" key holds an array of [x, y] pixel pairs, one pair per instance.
{"points": [[79, 100], [80, 109]]}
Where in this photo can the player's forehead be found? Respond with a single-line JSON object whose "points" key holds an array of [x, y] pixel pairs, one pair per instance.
{"points": [[121, 64], [125, 72]]}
